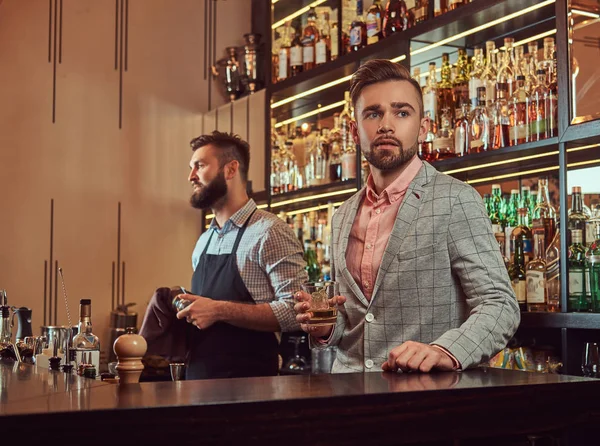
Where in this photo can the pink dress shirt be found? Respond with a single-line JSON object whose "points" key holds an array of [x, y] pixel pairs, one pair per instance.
{"points": [[373, 225]]}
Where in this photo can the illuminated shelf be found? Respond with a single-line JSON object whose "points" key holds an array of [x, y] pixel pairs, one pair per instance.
{"points": [[461, 27], [585, 321]]}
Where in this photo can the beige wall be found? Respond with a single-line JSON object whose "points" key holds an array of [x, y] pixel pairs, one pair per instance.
{"points": [[86, 164]]}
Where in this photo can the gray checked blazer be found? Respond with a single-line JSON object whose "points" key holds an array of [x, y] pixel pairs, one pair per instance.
{"points": [[441, 280]]}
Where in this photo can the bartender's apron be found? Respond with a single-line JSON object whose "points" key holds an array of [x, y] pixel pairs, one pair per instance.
{"points": [[223, 350]]}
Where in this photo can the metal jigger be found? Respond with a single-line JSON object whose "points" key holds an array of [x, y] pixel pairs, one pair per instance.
{"points": [[229, 69], [251, 62]]}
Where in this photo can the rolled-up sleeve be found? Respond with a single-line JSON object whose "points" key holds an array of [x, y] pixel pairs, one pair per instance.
{"points": [[281, 258]]}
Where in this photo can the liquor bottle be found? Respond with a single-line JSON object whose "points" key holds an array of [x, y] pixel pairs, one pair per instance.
{"points": [[544, 213], [535, 273], [516, 272], [406, 16], [85, 342], [445, 96], [537, 108], [462, 131], [461, 82], [312, 265], [443, 144], [518, 131], [519, 61], [287, 36], [335, 157], [296, 55], [480, 125], [440, 7], [532, 63], [475, 81], [553, 274], [526, 197], [500, 117], [289, 167], [592, 259], [495, 203], [391, 19], [275, 178], [490, 75], [578, 300], [322, 47], [502, 245], [420, 11], [549, 65], [577, 218], [358, 29], [373, 22], [309, 39], [334, 41], [521, 235], [348, 165], [506, 69], [430, 99], [453, 4]]}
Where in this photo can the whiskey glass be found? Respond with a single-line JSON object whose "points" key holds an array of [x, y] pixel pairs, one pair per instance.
{"points": [[323, 306]]}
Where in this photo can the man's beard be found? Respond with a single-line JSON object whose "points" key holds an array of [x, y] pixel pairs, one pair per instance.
{"points": [[384, 159], [210, 194]]}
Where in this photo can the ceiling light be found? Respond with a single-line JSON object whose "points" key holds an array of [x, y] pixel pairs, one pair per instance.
{"points": [[586, 13], [313, 197]]}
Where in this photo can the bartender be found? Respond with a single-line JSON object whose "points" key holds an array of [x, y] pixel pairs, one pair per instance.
{"points": [[246, 268]]}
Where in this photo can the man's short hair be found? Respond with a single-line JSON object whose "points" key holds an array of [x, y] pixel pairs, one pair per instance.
{"points": [[228, 147], [381, 70]]}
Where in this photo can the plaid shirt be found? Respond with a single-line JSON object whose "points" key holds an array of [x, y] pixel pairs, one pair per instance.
{"points": [[269, 258]]}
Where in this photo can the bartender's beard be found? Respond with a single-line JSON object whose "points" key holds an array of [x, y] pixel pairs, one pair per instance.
{"points": [[384, 160], [210, 194]]}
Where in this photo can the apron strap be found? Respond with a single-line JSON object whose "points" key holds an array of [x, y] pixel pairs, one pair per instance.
{"points": [[241, 233], [212, 231]]}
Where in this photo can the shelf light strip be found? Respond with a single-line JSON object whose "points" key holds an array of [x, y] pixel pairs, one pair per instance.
{"points": [[314, 208], [313, 197], [482, 27], [310, 113], [529, 172], [514, 160], [586, 13], [296, 14], [341, 80]]}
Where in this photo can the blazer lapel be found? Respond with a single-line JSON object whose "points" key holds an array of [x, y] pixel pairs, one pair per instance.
{"points": [[408, 211], [347, 222]]}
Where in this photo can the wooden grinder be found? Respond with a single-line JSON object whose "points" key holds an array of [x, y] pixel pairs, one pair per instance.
{"points": [[130, 348]]}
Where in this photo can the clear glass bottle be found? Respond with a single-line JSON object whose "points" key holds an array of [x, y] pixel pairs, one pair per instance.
{"points": [[323, 45], [296, 60], [373, 22], [549, 65], [535, 273], [358, 29], [506, 69], [440, 7], [578, 300], [518, 131], [501, 118], [577, 218], [335, 157], [490, 74], [430, 99], [532, 65], [85, 342], [544, 213], [462, 131], [537, 108], [480, 125], [475, 81], [443, 144]]}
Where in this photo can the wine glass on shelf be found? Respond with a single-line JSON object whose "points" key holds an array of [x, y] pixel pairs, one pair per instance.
{"points": [[297, 363]]}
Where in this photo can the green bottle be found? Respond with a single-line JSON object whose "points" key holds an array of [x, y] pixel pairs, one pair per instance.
{"points": [[593, 264], [516, 272], [312, 264], [486, 202], [526, 200], [495, 208], [577, 274], [513, 206]]}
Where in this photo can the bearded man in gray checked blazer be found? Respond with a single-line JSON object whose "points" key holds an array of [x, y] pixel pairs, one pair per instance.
{"points": [[422, 281]]}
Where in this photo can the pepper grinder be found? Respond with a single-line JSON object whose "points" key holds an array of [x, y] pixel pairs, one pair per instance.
{"points": [[130, 348]]}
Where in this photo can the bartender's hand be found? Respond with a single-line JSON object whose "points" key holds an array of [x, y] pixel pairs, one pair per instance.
{"points": [[202, 312], [302, 314], [415, 356]]}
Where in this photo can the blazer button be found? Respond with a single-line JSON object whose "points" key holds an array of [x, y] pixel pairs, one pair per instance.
{"points": [[369, 317], [368, 363]]}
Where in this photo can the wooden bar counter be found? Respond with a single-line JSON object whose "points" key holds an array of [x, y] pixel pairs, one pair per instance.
{"points": [[365, 409]]}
